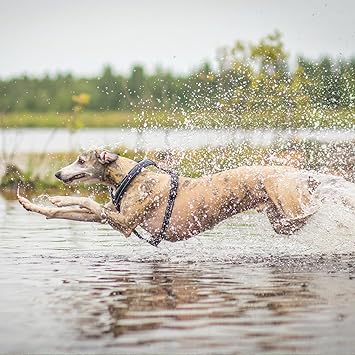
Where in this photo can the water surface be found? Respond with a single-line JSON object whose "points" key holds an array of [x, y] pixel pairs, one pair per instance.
{"points": [[82, 288], [34, 140]]}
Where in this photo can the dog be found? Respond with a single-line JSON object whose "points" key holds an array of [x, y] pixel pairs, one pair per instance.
{"points": [[281, 192]]}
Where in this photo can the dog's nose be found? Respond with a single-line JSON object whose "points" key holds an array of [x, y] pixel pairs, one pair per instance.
{"points": [[57, 174]]}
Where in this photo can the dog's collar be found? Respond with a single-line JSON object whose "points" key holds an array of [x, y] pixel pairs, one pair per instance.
{"points": [[116, 196]]}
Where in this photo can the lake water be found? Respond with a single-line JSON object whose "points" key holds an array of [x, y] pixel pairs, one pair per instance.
{"points": [[240, 288], [34, 140]]}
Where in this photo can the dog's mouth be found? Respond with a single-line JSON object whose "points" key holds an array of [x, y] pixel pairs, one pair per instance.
{"points": [[75, 177]]}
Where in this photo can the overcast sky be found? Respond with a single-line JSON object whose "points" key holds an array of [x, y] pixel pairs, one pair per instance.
{"points": [[39, 36]]}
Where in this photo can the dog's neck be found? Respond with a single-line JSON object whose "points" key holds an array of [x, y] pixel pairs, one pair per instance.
{"points": [[116, 171]]}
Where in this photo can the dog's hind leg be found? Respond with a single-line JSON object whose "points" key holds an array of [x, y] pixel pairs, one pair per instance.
{"points": [[290, 196], [292, 203], [283, 225]]}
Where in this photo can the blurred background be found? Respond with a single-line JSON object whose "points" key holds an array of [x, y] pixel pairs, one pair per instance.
{"points": [[200, 86]]}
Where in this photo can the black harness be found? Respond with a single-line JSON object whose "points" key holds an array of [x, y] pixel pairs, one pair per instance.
{"points": [[116, 196]]}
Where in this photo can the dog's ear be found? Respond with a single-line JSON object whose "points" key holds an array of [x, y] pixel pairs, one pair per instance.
{"points": [[106, 157]]}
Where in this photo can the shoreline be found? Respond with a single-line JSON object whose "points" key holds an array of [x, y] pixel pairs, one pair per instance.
{"points": [[313, 119]]}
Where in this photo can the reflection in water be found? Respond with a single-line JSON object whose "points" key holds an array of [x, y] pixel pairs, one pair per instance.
{"points": [[194, 306], [75, 287]]}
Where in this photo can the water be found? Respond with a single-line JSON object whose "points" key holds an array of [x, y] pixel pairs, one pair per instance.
{"points": [[240, 288], [34, 140]]}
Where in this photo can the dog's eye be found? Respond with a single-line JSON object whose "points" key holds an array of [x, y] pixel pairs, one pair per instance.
{"points": [[81, 161]]}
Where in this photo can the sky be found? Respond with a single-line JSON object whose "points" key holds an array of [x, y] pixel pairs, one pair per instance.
{"points": [[50, 36]]}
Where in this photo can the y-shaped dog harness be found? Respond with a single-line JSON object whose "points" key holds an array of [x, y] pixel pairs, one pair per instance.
{"points": [[117, 195]]}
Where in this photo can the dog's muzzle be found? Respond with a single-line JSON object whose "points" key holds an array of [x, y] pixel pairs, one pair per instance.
{"points": [[59, 176]]}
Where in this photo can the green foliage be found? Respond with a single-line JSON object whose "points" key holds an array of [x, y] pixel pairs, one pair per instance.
{"points": [[335, 158], [254, 86], [315, 118]]}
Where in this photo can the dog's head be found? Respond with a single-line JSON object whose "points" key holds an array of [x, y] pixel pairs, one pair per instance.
{"points": [[89, 167]]}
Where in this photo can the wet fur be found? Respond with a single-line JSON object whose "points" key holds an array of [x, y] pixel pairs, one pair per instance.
{"points": [[282, 192]]}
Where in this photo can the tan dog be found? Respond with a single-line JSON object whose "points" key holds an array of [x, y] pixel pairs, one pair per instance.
{"points": [[282, 192]]}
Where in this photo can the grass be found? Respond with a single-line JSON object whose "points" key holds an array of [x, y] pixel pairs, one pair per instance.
{"points": [[330, 118], [36, 176], [330, 158], [86, 119]]}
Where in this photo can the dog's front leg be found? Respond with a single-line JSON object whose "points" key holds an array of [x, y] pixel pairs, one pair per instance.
{"points": [[73, 213], [83, 202], [115, 219], [118, 221], [134, 212]]}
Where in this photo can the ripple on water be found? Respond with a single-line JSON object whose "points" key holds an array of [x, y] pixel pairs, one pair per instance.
{"points": [[237, 288]]}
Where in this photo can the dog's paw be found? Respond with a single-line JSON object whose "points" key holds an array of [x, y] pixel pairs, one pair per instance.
{"points": [[26, 204]]}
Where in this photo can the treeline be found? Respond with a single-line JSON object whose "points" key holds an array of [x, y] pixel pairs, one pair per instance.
{"points": [[246, 78]]}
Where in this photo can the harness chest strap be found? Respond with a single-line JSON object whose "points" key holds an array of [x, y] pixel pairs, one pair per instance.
{"points": [[174, 184], [116, 197], [127, 180]]}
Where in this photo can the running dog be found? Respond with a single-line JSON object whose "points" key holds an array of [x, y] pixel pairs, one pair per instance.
{"points": [[283, 193]]}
